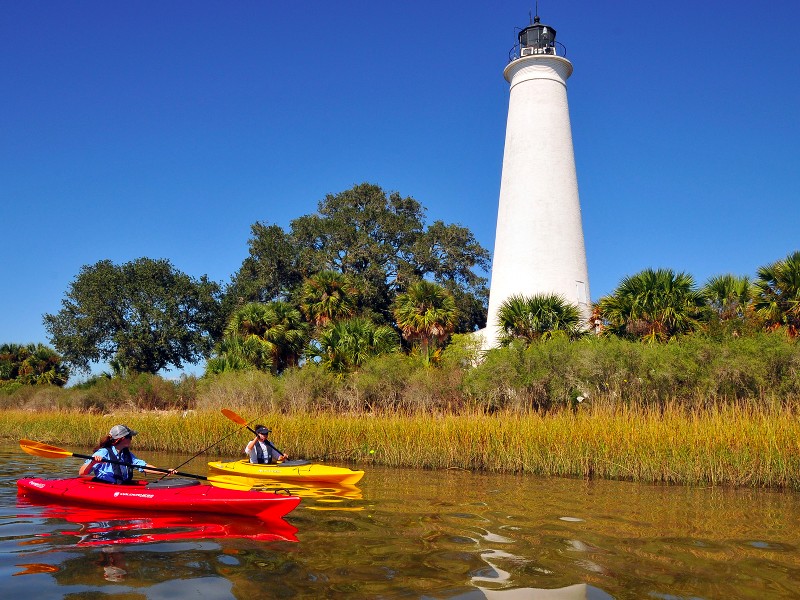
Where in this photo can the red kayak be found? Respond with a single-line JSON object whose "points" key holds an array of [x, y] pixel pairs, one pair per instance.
{"points": [[165, 496]]}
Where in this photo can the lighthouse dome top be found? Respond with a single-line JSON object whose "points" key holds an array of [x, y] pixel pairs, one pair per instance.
{"points": [[536, 38]]}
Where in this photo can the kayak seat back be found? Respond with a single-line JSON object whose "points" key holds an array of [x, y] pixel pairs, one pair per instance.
{"points": [[172, 483]]}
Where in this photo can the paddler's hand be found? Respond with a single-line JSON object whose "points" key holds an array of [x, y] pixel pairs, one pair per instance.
{"points": [[86, 468]]}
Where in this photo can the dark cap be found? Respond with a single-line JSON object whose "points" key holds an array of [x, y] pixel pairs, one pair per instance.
{"points": [[263, 430]]}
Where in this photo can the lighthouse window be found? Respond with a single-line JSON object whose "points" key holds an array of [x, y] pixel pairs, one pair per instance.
{"points": [[581, 290]]}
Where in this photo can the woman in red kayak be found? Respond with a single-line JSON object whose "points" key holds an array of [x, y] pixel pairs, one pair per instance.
{"points": [[114, 447]]}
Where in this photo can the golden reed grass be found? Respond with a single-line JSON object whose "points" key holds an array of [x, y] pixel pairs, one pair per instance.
{"points": [[724, 445]]}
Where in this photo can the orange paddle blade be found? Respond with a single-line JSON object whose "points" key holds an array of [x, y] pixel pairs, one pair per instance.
{"points": [[234, 417], [40, 449]]}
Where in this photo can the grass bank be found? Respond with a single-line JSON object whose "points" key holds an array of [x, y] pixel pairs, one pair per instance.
{"points": [[730, 445]]}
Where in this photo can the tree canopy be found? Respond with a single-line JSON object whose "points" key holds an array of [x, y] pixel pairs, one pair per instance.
{"points": [[380, 241], [327, 296], [271, 335], [344, 346], [32, 364], [728, 295], [144, 315]]}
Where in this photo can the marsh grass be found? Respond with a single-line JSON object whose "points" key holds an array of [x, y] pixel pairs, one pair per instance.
{"points": [[724, 445]]}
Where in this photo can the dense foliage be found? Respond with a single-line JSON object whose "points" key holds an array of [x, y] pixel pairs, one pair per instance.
{"points": [[777, 297], [538, 317], [379, 241], [654, 305], [426, 314], [757, 371], [31, 364], [270, 336], [142, 316], [345, 346]]}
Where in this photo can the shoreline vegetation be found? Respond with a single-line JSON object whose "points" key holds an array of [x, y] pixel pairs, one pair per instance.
{"points": [[725, 446], [694, 411]]}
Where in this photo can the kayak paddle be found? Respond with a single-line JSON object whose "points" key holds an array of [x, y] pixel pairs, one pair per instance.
{"points": [[236, 418], [47, 451]]}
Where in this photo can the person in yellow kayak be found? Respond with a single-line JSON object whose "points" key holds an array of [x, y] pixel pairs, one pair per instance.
{"points": [[115, 447], [261, 450]]}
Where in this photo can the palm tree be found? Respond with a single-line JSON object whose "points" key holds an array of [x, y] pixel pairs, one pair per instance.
{"points": [[728, 295], [426, 314], [250, 319], [343, 346], [288, 334], [32, 364], [777, 297], [273, 335], [9, 361], [235, 353], [538, 317], [327, 296], [653, 305]]}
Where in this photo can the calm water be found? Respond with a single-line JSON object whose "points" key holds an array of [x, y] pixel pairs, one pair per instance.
{"points": [[413, 534]]}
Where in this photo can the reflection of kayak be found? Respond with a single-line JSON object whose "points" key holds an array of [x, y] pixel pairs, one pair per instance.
{"points": [[171, 496], [106, 527], [315, 490], [290, 470]]}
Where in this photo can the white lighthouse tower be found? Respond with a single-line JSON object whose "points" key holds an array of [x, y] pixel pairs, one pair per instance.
{"points": [[539, 245]]}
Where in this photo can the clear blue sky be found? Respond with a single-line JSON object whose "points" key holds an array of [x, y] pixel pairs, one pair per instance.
{"points": [[166, 129]]}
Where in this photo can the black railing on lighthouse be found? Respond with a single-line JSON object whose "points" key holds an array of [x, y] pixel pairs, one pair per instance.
{"points": [[552, 48]]}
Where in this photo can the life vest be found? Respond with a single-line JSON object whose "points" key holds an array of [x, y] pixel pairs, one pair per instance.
{"points": [[262, 460], [122, 473]]}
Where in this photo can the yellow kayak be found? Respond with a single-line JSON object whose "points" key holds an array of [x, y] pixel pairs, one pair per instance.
{"points": [[290, 470]]}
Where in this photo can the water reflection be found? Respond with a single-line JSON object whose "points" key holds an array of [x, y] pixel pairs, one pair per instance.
{"points": [[579, 591], [434, 535], [113, 564], [316, 495], [92, 527]]}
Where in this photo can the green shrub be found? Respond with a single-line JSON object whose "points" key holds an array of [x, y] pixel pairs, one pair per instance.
{"points": [[698, 371], [381, 383], [310, 388], [248, 388], [8, 388]]}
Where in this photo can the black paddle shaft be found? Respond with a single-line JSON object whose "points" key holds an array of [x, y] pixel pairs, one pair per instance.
{"points": [[119, 462]]}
